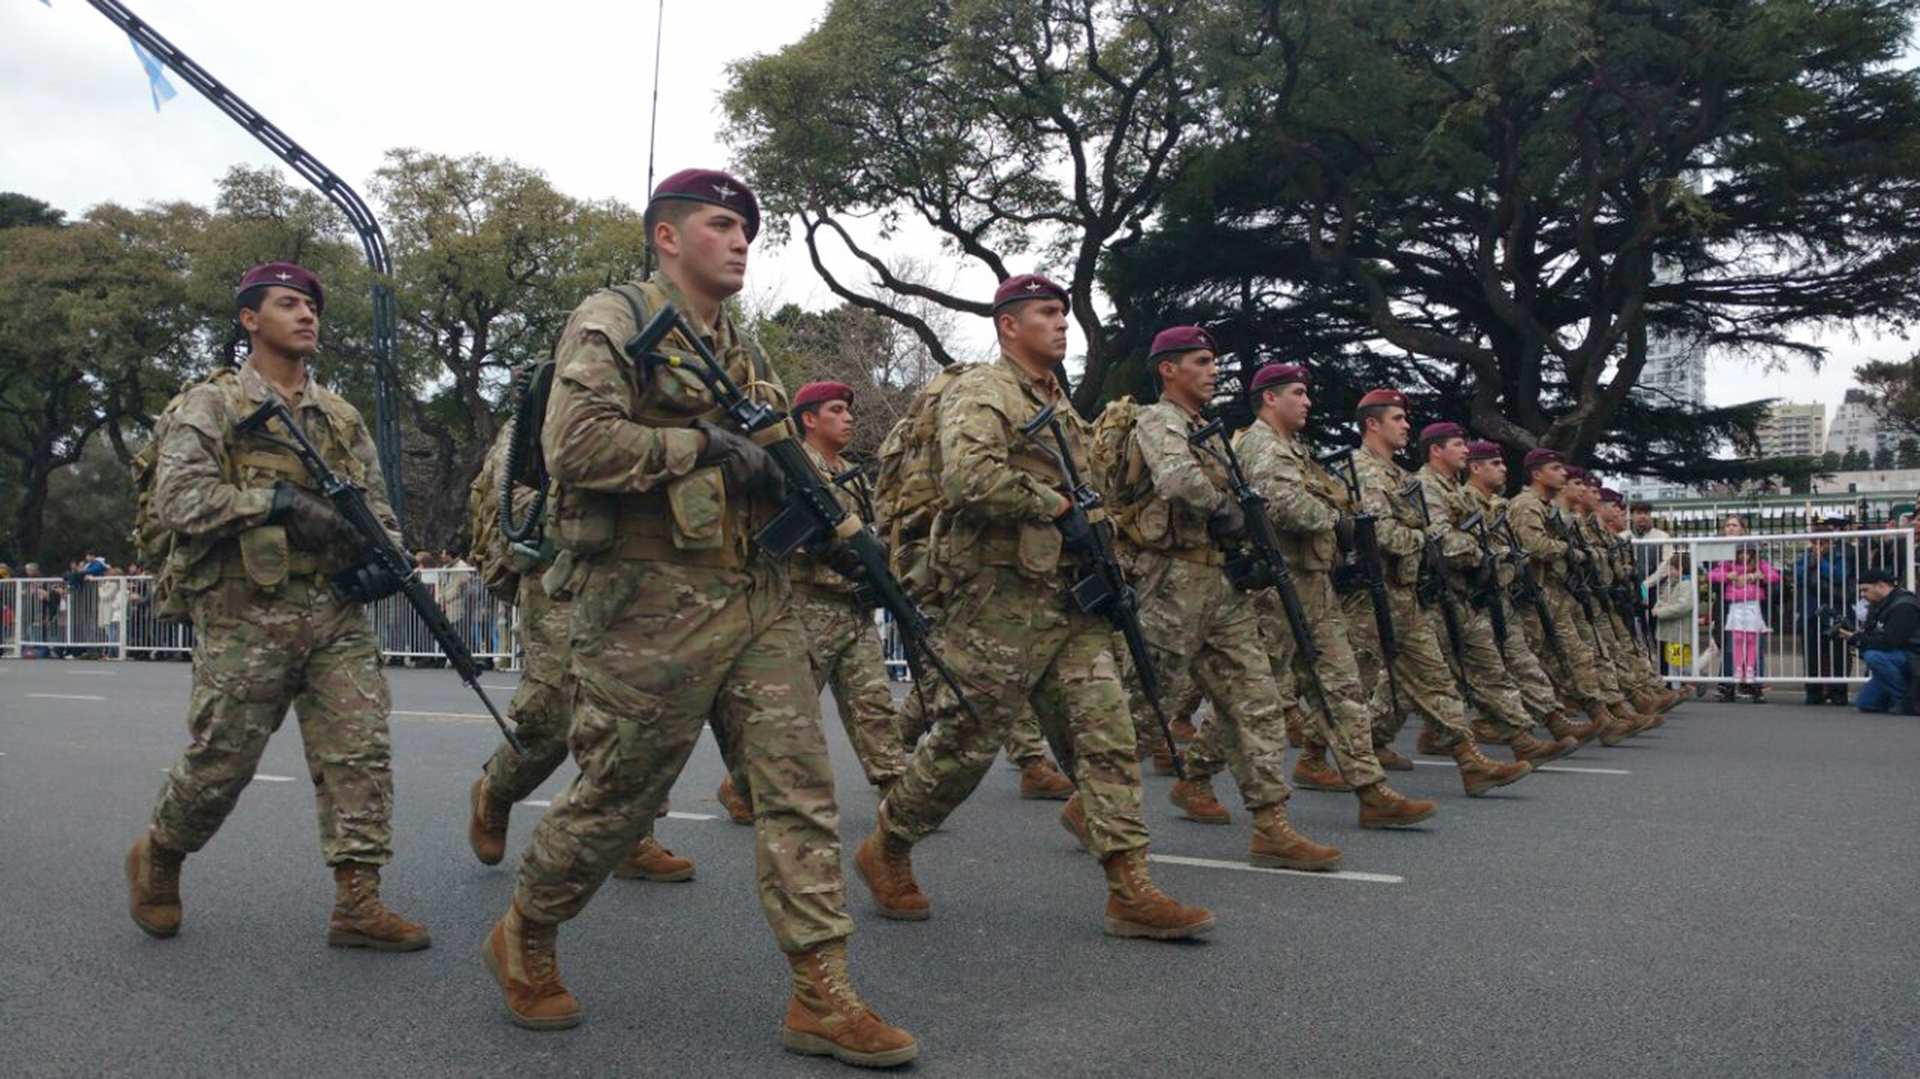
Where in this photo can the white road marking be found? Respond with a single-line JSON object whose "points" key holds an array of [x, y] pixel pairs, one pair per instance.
{"points": [[499, 685], [94, 671], [693, 816], [272, 779], [536, 804], [1340, 874], [1542, 768], [65, 697], [443, 715]]}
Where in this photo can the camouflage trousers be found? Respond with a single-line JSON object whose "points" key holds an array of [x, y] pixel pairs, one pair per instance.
{"points": [[657, 648], [1205, 636], [844, 648], [1482, 670], [1568, 654], [1421, 677], [1537, 692], [1013, 643], [1025, 743], [255, 654], [1349, 733], [1631, 668]]}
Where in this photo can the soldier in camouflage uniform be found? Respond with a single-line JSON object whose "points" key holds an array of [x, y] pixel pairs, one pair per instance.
{"points": [[1424, 681], [1305, 504], [1486, 479], [539, 708], [1012, 634], [1638, 680], [1611, 517], [1617, 675], [1173, 520], [841, 639], [254, 548], [676, 615], [1479, 667], [1568, 654]]}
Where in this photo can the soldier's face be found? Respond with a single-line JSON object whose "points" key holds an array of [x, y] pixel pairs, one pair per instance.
{"points": [[1190, 376], [832, 424], [1393, 427], [287, 322], [1552, 476], [1038, 328], [1490, 473], [1291, 405], [709, 251], [1451, 455]]}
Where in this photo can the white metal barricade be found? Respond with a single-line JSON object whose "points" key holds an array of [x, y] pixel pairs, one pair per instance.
{"points": [[113, 618], [1762, 609]]}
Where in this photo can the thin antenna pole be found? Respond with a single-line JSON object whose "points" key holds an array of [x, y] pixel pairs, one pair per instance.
{"points": [[653, 119]]}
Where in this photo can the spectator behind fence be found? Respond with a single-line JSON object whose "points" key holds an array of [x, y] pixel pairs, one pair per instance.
{"points": [[1824, 585], [1887, 642], [1674, 600], [1743, 584]]}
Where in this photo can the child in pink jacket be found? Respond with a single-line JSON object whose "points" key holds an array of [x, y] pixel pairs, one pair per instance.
{"points": [[1743, 584]]}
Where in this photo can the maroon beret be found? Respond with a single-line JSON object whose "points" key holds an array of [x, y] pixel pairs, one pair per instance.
{"points": [[1576, 474], [1608, 494], [1383, 397], [814, 393], [1542, 456], [1440, 431], [1181, 339], [1028, 286], [286, 275], [1484, 451], [715, 188], [1277, 374]]}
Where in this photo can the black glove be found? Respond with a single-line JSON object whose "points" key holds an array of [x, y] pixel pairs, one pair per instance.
{"points": [[1343, 532], [366, 582], [1076, 531], [840, 558], [748, 468], [1228, 523], [310, 520]]}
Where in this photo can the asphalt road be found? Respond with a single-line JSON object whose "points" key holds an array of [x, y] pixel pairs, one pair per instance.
{"points": [[1731, 895]]}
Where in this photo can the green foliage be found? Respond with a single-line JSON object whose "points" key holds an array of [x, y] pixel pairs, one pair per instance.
{"points": [[1898, 387]]}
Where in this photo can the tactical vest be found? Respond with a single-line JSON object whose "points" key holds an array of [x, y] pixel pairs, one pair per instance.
{"points": [[810, 575], [499, 566], [694, 520], [1400, 569], [1141, 518], [906, 493]]}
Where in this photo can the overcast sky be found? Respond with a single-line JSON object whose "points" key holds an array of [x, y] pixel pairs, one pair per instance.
{"points": [[561, 85]]}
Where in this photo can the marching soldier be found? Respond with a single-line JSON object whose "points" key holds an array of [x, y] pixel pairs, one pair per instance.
{"points": [[1173, 517], [1011, 633], [1486, 479], [255, 548], [1571, 506], [1569, 655], [1419, 671], [1482, 670], [1304, 503], [539, 707], [1637, 680], [676, 615], [842, 643]]}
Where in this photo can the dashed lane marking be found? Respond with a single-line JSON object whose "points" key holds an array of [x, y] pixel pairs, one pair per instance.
{"points": [[499, 685], [442, 715], [1575, 768], [65, 697], [692, 816], [539, 804], [1213, 863], [272, 779]]}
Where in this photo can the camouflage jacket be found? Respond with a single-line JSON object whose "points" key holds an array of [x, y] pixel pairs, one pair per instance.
{"points": [[806, 569], [1183, 485], [1450, 506], [1546, 552], [1303, 499], [1399, 527], [1492, 507]]}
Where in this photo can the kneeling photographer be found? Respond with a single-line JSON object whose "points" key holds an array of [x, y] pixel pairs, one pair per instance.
{"points": [[1887, 643]]}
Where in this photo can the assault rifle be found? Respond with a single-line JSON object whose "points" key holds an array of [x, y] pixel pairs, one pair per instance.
{"points": [[1527, 590], [1434, 586], [1486, 579], [377, 548], [812, 517], [1272, 565], [1577, 570], [1103, 590], [1371, 568]]}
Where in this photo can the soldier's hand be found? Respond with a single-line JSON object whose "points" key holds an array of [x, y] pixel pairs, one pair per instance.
{"points": [[1228, 523], [748, 468], [1076, 532], [1343, 532], [840, 558], [366, 582], [310, 520]]}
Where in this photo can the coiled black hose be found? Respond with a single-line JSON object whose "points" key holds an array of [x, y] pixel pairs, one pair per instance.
{"points": [[525, 458]]}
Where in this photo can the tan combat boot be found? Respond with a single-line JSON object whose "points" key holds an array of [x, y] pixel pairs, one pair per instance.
{"points": [[1296, 726], [1669, 698], [1483, 733], [1429, 743], [1620, 727], [1135, 908], [1194, 798], [1383, 807], [1163, 760], [1480, 775], [153, 886], [1648, 704], [360, 920], [1537, 751], [1563, 729], [886, 864], [648, 860], [1313, 772], [1182, 730], [1040, 779], [520, 953], [1074, 820], [736, 805], [1276, 845], [1391, 761], [486, 824], [1600, 719], [826, 1017]]}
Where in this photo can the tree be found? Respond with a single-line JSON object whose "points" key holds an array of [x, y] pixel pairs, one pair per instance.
{"points": [[489, 260], [1898, 387], [1883, 458], [884, 363], [1908, 455], [1025, 134], [1856, 460], [1502, 206]]}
